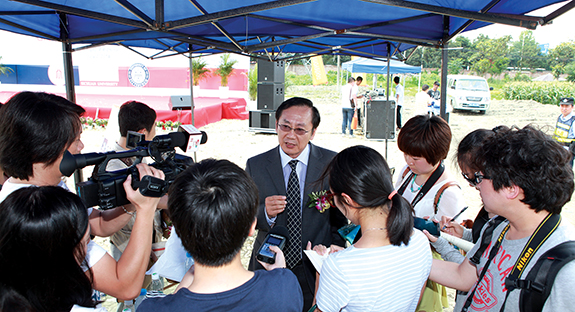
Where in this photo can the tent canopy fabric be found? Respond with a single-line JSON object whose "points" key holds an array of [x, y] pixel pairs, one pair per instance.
{"points": [[372, 66], [369, 28]]}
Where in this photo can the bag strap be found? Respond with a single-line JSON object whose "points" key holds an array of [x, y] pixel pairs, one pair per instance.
{"points": [[492, 254], [440, 193], [536, 288], [426, 186], [486, 238], [405, 172]]}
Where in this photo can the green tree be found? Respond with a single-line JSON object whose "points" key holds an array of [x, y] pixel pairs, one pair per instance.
{"points": [[525, 52], [455, 66], [557, 71], [3, 69], [226, 68], [253, 83], [199, 70], [428, 57], [331, 59], [490, 56], [563, 54], [570, 70], [460, 54]]}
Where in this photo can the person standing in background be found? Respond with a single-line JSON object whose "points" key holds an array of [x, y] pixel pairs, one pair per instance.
{"points": [[422, 101], [564, 132], [398, 101], [347, 109], [355, 92], [434, 93]]}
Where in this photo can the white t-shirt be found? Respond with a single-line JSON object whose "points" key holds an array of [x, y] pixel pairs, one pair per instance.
{"points": [[399, 91], [388, 278], [346, 95], [95, 252], [422, 100]]}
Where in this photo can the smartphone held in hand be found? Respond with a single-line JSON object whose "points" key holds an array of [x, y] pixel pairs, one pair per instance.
{"points": [[423, 224]]}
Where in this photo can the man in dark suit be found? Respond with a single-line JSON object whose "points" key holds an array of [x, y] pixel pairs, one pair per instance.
{"points": [[296, 123]]}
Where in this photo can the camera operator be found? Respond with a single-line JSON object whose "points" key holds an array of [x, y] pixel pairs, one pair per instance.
{"points": [[137, 117], [35, 131]]}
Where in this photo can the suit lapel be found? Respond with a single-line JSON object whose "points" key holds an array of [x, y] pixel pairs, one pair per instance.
{"points": [[275, 170], [314, 169]]}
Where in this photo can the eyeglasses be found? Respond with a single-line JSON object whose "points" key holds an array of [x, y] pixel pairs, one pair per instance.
{"points": [[298, 131], [477, 178]]}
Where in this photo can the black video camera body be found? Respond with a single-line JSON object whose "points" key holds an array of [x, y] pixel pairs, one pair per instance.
{"points": [[105, 188]]}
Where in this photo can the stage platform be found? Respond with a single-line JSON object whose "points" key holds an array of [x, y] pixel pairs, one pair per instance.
{"points": [[207, 110]]}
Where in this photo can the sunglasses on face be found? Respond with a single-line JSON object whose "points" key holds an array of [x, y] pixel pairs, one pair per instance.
{"points": [[476, 179]]}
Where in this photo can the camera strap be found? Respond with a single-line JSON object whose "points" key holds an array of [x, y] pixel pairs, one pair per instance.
{"points": [[541, 234], [426, 186]]}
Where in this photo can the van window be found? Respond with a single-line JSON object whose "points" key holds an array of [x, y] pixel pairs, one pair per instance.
{"points": [[472, 85]]}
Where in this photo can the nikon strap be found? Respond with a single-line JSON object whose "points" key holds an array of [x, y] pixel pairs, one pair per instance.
{"points": [[543, 231], [541, 234], [426, 186]]}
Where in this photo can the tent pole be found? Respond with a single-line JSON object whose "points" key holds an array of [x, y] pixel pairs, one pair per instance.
{"points": [[444, 60], [338, 73], [419, 81], [387, 92], [192, 91], [67, 53], [69, 74]]}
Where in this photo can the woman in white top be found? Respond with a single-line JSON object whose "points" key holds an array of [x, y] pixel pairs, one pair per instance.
{"points": [[386, 269], [424, 182], [44, 235]]}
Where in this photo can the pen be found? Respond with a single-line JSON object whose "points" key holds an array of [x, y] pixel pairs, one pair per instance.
{"points": [[456, 216]]}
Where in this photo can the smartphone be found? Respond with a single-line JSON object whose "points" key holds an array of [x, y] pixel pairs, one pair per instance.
{"points": [[264, 253], [430, 226]]}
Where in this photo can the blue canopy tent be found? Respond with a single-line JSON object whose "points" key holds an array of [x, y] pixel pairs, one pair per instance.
{"points": [[271, 29], [373, 66]]}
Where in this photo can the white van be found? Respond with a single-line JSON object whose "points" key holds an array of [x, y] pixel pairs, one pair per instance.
{"points": [[468, 93]]}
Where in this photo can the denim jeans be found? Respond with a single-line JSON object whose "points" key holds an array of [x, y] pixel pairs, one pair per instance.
{"points": [[347, 116]]}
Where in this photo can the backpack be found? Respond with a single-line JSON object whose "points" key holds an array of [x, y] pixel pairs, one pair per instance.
{"points": [[536, 287]]}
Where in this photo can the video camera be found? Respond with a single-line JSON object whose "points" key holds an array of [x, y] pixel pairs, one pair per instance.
{"points": [[105, 188]]}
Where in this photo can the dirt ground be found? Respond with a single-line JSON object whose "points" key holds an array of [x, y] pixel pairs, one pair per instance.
{"points": [[232, 140]]}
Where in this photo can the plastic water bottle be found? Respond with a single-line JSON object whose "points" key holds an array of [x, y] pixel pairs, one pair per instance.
{"points": [[129, 306], [140, 298], [189, 261], [156, 288]]}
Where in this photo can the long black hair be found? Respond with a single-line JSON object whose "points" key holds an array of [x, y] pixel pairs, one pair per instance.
{"points": [[41, 229], [363, 174]]}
